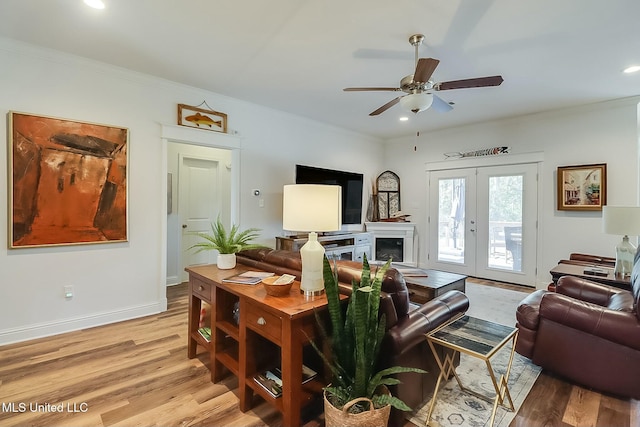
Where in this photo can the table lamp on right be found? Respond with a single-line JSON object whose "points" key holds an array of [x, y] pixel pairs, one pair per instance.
{"points": [[622, 220]]}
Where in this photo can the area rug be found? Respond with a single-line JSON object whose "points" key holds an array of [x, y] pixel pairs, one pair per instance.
{"points": [[455, 407]]}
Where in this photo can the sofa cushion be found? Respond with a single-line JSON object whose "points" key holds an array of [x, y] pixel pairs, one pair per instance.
{"points": [[255, 254], [394, 284], [528, 311], [288, 259], [621, 301]]}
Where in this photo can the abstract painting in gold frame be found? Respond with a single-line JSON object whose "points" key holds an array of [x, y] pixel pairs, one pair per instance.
{"points": [[582, 188], [67, 182]]}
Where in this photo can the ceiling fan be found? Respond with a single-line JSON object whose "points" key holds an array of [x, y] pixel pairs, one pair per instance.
{"points": [[419, 86]]}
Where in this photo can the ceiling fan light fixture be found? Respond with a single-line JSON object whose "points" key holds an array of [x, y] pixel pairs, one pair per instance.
{"points": [[416, 102]]}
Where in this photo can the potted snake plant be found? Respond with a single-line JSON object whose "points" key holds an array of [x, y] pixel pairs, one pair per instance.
{"points": [[357, 388], [227, 243]]}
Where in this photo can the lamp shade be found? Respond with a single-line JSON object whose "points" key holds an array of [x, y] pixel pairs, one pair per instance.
{"points": [[621, 220], [416, 102], [312, 207]]}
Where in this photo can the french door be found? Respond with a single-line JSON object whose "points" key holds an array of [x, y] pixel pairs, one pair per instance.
{"points": [[483, 222]]}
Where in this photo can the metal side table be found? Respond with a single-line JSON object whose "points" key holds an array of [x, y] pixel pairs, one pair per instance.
{"points": [[481, 339]]}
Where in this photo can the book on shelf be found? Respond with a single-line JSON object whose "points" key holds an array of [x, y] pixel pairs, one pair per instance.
{"points": [[307, 373], [271, 379], [204, 314], [248, 277], [205, 332]]}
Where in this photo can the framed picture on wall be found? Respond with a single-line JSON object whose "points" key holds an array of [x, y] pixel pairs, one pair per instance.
{"points": [[67, 182], [582, 188], [202, 118]]}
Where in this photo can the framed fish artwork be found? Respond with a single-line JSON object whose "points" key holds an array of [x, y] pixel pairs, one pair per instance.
{"points": [[201, 118]]}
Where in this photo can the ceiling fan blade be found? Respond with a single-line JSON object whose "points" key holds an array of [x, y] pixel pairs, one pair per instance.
{"points": [[440, 105], [386, 106], [468, 83], [360, 89], [424, 69]]}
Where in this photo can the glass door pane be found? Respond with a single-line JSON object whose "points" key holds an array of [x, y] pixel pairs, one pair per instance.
{"points": [[505, 222], [451, 220], [507, 215]]}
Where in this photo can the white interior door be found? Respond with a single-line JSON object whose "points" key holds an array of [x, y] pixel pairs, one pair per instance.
{"points": [[199, 204], [483, 222]]}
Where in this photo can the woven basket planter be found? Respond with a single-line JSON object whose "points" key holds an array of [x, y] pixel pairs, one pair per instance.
{"points": [[334, 417]]}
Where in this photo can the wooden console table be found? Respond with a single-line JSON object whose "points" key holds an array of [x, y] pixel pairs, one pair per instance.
{"points": [[270, 330]]}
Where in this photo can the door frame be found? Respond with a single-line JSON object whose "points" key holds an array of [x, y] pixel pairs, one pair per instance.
{"points": [[205, 138], [489, 161]]}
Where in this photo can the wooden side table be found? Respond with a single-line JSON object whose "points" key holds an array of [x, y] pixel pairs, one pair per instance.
{"points": [[610, 279], [270, 331]]}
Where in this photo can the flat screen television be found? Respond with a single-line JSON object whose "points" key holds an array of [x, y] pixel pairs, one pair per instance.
{"points": [[351, 183]]}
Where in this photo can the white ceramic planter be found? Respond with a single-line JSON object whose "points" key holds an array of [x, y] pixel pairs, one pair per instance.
{"points": [[226, 261]]}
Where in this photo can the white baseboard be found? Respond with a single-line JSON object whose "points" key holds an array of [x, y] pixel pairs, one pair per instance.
{"points": [[173, 280], [14, 335]]}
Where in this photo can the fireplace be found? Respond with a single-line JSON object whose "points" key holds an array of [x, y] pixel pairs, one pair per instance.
{"points": [[393, 240], [389, 248]]}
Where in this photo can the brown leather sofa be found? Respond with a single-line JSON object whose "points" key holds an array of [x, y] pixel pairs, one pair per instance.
{"points": [[586, 332], [404, 343], [589, 260]]}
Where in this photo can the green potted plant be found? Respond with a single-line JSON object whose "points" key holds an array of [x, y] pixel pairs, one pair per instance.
{"points": [[357, 388], [226, 243]]}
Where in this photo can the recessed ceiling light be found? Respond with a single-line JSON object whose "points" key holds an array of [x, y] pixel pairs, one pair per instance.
{"points": [[96, 4], [404, 118], [632, 69]]}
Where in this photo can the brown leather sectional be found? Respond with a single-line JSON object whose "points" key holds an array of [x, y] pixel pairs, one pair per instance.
{"points": [[407, 323], [585, 331]]}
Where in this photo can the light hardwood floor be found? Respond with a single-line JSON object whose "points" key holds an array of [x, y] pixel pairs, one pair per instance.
{"points": [[137, 373]]}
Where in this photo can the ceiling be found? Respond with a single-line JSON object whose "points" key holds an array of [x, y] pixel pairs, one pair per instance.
{"points": [[298, 55]]}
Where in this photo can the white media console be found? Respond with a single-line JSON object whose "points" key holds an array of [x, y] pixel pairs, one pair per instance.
{"points": [[347, 246]]}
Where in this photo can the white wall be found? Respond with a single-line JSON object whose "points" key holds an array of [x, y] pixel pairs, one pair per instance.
{"points": [[598, 133], [122, 280]]}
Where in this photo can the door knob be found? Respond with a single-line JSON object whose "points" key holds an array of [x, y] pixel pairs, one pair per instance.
{"points": [[184, 225]]}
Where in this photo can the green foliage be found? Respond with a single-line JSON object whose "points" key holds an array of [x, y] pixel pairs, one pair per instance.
{"points": [[227, 242], [356, 338], [505, 198]]}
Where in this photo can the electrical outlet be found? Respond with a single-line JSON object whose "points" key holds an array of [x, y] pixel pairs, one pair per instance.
{"points": [[68, 292]]}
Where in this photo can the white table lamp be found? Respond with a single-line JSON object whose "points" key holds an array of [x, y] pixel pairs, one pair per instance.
{"points": [[312, 208], [622, 220]]}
